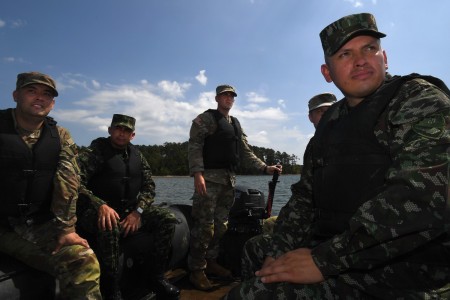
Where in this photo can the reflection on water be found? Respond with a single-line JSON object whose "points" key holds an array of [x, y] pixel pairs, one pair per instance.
{"points": [[179, 190]]}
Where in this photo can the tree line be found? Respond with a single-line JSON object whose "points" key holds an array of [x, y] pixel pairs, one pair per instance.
{"points": [[172, 159]]}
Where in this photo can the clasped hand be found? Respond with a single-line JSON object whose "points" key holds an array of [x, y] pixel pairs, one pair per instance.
{"points": [[108, 218]]}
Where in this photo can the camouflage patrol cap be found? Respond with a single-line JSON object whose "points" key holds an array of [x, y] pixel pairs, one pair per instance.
{"points": [[123, 120], [225, 88], [335, 35], [24, 79], [325, 99]]}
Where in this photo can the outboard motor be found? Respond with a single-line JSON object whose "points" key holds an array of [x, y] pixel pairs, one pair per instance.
{"points": [[244, 221]]}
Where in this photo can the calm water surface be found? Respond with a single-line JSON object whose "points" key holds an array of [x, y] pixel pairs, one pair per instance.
{"points": [[179, 190]]}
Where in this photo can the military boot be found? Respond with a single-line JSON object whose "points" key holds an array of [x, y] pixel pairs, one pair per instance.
{"points": [[213, 268], [199, 280]]}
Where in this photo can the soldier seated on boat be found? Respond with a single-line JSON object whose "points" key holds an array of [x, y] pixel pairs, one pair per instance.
{"points": [[116, 196], [369, 218]]}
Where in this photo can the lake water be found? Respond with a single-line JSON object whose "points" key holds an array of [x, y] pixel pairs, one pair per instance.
{"points": [[179, 190]]}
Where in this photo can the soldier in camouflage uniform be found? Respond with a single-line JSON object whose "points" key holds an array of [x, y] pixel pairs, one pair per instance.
{"points": [[40, 182], [216, 145], [116, 196], [318, 105], [369, 218]]}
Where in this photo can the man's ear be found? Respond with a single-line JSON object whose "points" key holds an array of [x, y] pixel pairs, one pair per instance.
{"points": [[110, 130], [132, 135], [326, 73]]}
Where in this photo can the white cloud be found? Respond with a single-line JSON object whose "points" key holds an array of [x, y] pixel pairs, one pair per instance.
{"points": [[201, 78], [2, 23], [173, 89], [355, 3], [18, 24], [164, 113], [96, 84], [253, 97]]}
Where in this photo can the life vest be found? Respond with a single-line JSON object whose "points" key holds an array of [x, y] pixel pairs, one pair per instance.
{"points": [[349, 164], [26, 183], [118, 181], [222, 148]]}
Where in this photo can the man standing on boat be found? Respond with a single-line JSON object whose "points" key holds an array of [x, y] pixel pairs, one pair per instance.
{"points": [[39, 191], [370, 216], [217, 144], [116, 196]]}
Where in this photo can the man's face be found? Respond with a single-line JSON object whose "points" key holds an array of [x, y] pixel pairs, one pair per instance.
{"points": [[34, 100], [358, 68], [225, 100], [316, 114], [121, 136]]}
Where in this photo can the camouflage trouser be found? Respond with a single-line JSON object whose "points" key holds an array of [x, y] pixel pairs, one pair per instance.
{"points": [[156, 221], [76, 267], [209, 215], [402, 280]]}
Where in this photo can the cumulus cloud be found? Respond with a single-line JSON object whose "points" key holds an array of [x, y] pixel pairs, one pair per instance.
{"points": [[173, 89], [253, 97], [95, 84], [2, 23], [201, 77], [164, 112]]}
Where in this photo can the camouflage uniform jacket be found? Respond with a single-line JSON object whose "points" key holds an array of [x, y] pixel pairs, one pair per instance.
{"points": [[417, 134], [66, 181], [91, 161], [203, 126]]}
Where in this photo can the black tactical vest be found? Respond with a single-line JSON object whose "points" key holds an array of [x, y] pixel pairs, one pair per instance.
{"points": [[349, 163], [26, 183], [222, 149], [118, 181]]}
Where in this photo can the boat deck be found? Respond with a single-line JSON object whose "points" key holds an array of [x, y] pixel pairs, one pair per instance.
{"points": [[188, 292]]}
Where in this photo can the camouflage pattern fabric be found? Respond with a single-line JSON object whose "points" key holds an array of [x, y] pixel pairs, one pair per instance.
{"points": [[209, 215], [202, 126], [91, 159], [156, 221], [75, 266], [381, 255]]}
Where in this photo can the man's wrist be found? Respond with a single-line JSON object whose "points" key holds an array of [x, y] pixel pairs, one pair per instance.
{"points": [[139, 210]]}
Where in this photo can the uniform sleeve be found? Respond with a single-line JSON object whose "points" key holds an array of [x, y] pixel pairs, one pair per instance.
{"points": [[292, 228], [202, 126], [66, 185], [411, 210], [147, 193], [90, 161]]}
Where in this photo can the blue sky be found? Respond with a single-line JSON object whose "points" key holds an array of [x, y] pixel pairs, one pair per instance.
{"points": [[160, 60]]}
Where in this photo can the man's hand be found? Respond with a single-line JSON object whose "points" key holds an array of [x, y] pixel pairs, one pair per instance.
{"points": [[107, 218], [295, 266], [70, 239], [199, 183], [131, 223]]}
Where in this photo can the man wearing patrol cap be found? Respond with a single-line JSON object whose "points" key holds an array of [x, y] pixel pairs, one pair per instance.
{"points": [[39, 190], [318, 105], [369, 217], [217, 143], [116, 196]]}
